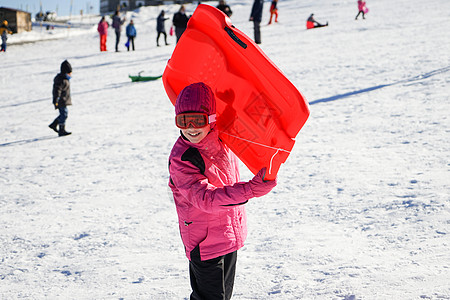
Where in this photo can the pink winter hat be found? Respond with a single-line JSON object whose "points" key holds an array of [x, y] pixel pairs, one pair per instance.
{"points": [[197, 97]]}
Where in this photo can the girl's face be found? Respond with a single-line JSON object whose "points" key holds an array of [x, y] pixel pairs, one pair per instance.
{"points": [[196, 135]]}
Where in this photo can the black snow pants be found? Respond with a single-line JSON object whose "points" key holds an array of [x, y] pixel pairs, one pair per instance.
{"points": [[360, 12], [212, 279]]}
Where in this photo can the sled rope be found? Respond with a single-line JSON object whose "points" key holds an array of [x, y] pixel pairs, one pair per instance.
{"points": [[262, 145], [270, 165]]}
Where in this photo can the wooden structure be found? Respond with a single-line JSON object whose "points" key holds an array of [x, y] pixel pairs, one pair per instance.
{"points": [[18, 20]]}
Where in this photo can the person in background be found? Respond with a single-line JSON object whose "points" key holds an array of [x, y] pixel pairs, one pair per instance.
{"points": [[131, 34], [225, 8], [4, 30], [208, 195], [102, 29], [61, 98], [273, 11], [256, 17], [180, 21], [117, 23], [361, 9], [161, 28], [312, 23]]}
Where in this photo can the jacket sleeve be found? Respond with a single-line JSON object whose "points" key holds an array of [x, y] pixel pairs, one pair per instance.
{"points": [[198, 191], [57, 90]]}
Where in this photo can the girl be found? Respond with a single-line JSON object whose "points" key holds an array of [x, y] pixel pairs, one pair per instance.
{"points": [[102, 29], [208, 195], [362, 9]]}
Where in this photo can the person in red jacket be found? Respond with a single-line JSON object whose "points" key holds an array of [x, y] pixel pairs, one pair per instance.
{"points": [[312, 23], [102, 29], [208, 194], [273, 11]]}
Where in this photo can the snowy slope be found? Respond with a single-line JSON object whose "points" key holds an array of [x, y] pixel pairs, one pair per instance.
{"points": [[361, 210]]}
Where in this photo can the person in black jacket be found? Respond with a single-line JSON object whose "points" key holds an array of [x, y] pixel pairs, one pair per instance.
{"points": [[180, 21], [225, 8], [61, 98], [256, 17], [160, 27]]}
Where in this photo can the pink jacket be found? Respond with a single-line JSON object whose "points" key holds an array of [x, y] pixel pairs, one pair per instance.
{"points": [[204, 179], [361, 5], [102, 28]]}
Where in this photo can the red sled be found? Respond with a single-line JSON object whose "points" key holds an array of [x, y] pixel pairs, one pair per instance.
{"points": [[259, 111]]}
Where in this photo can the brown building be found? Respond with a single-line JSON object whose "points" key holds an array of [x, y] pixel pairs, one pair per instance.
{"points": [[18, 20], [110, 6]]}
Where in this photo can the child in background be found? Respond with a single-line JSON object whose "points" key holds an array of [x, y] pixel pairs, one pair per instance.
{"points": [[209, 195], [131, 34], [4, 30], [312, 23], [362, 9], [61, 98], [102, 29], [273, 11]]}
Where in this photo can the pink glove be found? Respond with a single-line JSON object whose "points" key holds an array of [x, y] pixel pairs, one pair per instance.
{"points": [[259, 186]]}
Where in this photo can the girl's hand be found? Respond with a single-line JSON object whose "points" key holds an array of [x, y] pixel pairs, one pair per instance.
{"points": [[259, 186]]}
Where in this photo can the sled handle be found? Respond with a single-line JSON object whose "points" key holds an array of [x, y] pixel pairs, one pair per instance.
{"points": [[235, 38]]}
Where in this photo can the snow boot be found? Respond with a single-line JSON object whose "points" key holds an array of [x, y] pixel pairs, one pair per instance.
{"points": [[62, 130], [54, 126]]}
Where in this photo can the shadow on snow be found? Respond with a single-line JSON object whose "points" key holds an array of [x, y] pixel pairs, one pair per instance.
{"points": [[373, 88], [28, 141], [112, 85]]}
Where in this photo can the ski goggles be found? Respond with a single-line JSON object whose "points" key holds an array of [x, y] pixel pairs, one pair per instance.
{"points": [[197, 120]]}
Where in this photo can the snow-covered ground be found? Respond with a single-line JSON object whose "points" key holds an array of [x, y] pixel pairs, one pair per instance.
{"points": [[361, 210]]}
